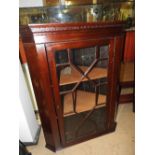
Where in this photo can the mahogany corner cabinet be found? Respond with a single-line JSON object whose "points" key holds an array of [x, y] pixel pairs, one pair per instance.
{"points": [[75, 70]]}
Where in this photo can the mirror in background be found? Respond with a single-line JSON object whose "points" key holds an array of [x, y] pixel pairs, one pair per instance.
{"points": [[77, 11]]}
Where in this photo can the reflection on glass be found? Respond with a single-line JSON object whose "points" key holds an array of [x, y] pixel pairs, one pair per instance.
{"points": [[107, 11]]}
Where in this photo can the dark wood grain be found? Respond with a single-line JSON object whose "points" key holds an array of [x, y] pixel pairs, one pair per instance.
{"points": [[129, 47], [127, 98], [41, 41], [22, 54], [40, 81]]}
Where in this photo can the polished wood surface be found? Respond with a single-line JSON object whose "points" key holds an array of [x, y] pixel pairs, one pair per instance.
{"points": [[40, 43], [22, 54], [39, 75], [114, 70], [129, 47], [60, 32]]}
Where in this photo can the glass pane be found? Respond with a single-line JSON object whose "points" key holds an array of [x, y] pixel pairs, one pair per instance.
{"points": [[82, 75], [76, 129], [61, 57]]}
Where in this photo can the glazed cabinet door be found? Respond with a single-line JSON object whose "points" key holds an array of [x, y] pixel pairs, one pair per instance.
{"points": [[81, 74]]}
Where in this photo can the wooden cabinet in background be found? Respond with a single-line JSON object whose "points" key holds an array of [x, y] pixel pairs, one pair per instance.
{"points": [[75, 74], [129, 47], [127, 77]]}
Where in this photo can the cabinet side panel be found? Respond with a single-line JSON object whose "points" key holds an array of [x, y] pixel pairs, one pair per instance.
{"points": [[40, 79], [118, 48], [110, 81]]}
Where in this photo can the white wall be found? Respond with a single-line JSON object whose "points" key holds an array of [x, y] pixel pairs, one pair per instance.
{"points": [[29, 85], [30, 3], [28, 126]]}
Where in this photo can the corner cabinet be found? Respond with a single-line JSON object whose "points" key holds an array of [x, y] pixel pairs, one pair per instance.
{"points": [[74, 69]]}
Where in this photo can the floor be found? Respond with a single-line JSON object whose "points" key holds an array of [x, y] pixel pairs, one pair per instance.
{"points": [[120, 142]]}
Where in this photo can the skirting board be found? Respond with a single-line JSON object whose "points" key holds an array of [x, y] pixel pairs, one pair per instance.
{"points": [[35, 139]]}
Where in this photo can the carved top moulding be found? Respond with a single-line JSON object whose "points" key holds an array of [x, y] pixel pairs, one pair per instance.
{"points": [[56, 27]]}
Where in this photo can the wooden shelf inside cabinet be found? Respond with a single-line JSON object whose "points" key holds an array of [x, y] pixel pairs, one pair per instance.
{"points": [[75, 76], [85, 101]]}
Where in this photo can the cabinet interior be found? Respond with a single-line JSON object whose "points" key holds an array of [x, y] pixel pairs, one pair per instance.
{"points": [[81, 74]]}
